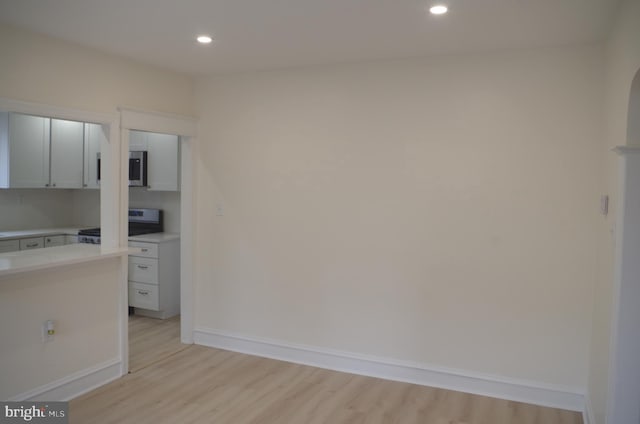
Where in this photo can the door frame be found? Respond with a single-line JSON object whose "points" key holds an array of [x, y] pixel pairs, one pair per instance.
{"points": [[186, 128]]}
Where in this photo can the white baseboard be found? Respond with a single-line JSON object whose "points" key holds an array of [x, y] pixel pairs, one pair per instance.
{"points": [[75, 384], [389, 369]]}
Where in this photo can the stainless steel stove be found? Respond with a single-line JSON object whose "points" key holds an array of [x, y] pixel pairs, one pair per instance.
{"points": [[141, 221]]}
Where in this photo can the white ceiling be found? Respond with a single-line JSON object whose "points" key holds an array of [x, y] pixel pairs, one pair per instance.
{"points": [[266, 34]]}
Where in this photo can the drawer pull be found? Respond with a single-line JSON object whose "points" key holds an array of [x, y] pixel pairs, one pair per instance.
{"points": [[143, 266], [32, 244], [144, 249], [143, 292]]}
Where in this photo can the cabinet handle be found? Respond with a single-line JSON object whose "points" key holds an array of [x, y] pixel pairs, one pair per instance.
{"points": [[143, 292], [84, 185], [46, 185], [32, 244], [144, 249], [143, 266], [54, 184]]}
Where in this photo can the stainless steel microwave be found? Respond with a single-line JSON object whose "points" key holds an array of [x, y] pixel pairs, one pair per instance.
{"points": [[137, 168]]}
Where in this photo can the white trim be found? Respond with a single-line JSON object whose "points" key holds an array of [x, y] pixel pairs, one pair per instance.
{"points": [[75, 384], [165, 123], [587, 414], [188, 146], [390, 369], [10, 105], [624, 384]]}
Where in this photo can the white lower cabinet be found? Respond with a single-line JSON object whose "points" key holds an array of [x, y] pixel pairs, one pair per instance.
{"points": [[28, 243], [9, 246], [144, 296], [154, 278], [31, 243], [51, 241]]}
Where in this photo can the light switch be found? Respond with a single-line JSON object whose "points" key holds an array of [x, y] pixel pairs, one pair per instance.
{"points": [[604, 204]]}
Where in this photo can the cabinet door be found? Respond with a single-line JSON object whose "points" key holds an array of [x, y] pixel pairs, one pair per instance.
{"points": [[162, 162], [67, 145], [51, 241], [144, 296], [9, 246], [32, 243], [93, 136], [143, 270], [28, 151], [138, 140]]}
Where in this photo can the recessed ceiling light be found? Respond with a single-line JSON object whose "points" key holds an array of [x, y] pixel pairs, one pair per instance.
{"points": [[438, 9], [204, 39]]}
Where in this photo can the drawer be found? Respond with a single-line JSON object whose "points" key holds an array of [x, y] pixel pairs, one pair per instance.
{"points": [[148, 250], [9, 246], [143, 296], [51, 241], [68, 239], [32, 243], [143, 270]]}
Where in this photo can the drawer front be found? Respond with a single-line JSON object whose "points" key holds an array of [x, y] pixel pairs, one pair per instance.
{"points": [[54, 241], [143, 270], [148, 250], [9, 246], [144, 296], [32, 243]]}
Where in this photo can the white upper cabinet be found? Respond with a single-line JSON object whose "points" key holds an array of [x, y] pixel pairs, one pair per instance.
{"points": [[24, 151], [138, 140], [67, 145], [38, 152], [163, 159], [94, 134]]}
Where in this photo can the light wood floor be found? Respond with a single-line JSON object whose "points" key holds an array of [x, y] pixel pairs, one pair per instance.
{"points": [[151, 340], [206, 385]]}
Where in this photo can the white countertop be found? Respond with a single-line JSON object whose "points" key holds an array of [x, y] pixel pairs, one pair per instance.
{"points": [[37, 259], [155, 237], [41, 232]]}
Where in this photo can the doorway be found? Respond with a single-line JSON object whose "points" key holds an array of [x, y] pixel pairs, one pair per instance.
{"points": [[624, 387], [154, 336]]}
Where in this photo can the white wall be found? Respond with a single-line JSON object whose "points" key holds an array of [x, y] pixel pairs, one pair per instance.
{"points": [[44, 70], [82, 301], [622, 63], [37, 208], [440, 211]]}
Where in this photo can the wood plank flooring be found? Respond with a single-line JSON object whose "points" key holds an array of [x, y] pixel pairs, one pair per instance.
{"points": [[205, 385], [151, 340]]}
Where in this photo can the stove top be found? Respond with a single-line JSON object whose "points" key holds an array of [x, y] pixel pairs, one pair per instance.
{"points": [[141, 221], [133, 231], [93, 232]]}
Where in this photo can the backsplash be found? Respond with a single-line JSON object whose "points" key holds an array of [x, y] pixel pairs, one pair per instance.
{"points": [[22, 209], [168, 201], [35, 208]]}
